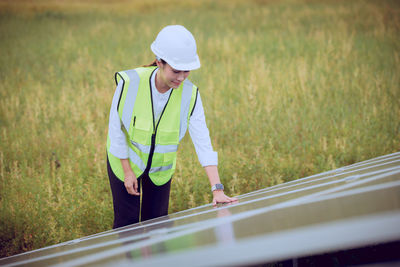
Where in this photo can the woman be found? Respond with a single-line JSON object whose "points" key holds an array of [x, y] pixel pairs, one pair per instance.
{"points": [[151, 110]]}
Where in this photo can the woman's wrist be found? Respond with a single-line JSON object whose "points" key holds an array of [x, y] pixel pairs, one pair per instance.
{"points": [[218, 192]]}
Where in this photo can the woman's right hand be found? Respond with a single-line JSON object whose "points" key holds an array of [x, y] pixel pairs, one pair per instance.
{"points": [[131, 183]]}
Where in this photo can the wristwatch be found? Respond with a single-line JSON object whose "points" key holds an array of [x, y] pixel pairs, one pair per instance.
{"points": [[217, 187]]}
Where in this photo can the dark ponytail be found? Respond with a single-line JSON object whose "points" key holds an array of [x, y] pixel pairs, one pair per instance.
{"points": [[154, 63]]}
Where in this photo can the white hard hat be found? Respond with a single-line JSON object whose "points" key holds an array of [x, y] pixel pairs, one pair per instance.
{"points": [[177, 46]]}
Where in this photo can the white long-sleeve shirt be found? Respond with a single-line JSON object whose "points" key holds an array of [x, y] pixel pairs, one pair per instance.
{"points": [[197, 126]]}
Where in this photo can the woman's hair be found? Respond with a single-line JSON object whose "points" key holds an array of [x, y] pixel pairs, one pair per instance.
{"points": [[154, 63]]}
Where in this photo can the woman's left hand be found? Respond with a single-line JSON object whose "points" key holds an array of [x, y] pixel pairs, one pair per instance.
{"points": [[220, 197]]}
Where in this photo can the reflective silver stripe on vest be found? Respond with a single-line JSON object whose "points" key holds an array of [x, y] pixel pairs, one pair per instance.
{"points": [[136, 159], [130, 97], [185, 105], [142, 148], [160, 169], [157, 149]]}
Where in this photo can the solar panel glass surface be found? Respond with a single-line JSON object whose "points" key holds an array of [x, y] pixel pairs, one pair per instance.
{"points": [[349, 207]]}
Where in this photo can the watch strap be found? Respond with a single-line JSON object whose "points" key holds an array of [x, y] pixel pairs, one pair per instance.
{"points": [[217, 187]]}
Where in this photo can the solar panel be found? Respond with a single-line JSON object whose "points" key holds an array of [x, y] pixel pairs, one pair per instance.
{"points": [[351, 207]]}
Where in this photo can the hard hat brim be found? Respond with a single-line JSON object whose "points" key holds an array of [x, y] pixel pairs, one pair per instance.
{"points": [[192, 65]]}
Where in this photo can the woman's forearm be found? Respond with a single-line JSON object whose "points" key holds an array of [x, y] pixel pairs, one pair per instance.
{"points": [[212, 173], [126, 166]]}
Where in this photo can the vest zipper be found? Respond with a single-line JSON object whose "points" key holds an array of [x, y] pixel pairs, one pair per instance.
{"points": [[155, 127]]}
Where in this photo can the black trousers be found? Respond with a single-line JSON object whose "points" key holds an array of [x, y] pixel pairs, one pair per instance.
{"points": [[155, 200]]}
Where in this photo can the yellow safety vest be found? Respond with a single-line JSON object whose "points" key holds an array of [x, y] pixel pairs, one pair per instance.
{"points": [[152, 144]]}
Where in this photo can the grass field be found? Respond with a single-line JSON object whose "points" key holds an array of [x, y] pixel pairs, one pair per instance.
{"points": [[290, 88]]}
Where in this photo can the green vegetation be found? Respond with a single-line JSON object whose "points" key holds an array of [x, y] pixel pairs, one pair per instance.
{"points": [[290, 88]]}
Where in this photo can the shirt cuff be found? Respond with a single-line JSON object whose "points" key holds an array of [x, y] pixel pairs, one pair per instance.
{"points": [[211, 158]]}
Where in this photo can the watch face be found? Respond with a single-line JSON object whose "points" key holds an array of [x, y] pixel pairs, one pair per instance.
{"points": [[219, 187]]}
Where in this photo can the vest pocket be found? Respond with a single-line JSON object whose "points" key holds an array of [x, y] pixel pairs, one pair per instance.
{"points": [[167, 137], [163, 161], [141, 131]]}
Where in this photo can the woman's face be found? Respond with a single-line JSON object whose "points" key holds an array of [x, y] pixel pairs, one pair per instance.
{"points": [[170, 77]]}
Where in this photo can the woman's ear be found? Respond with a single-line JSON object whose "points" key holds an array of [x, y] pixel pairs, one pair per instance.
{"points": [[159, 63]]}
